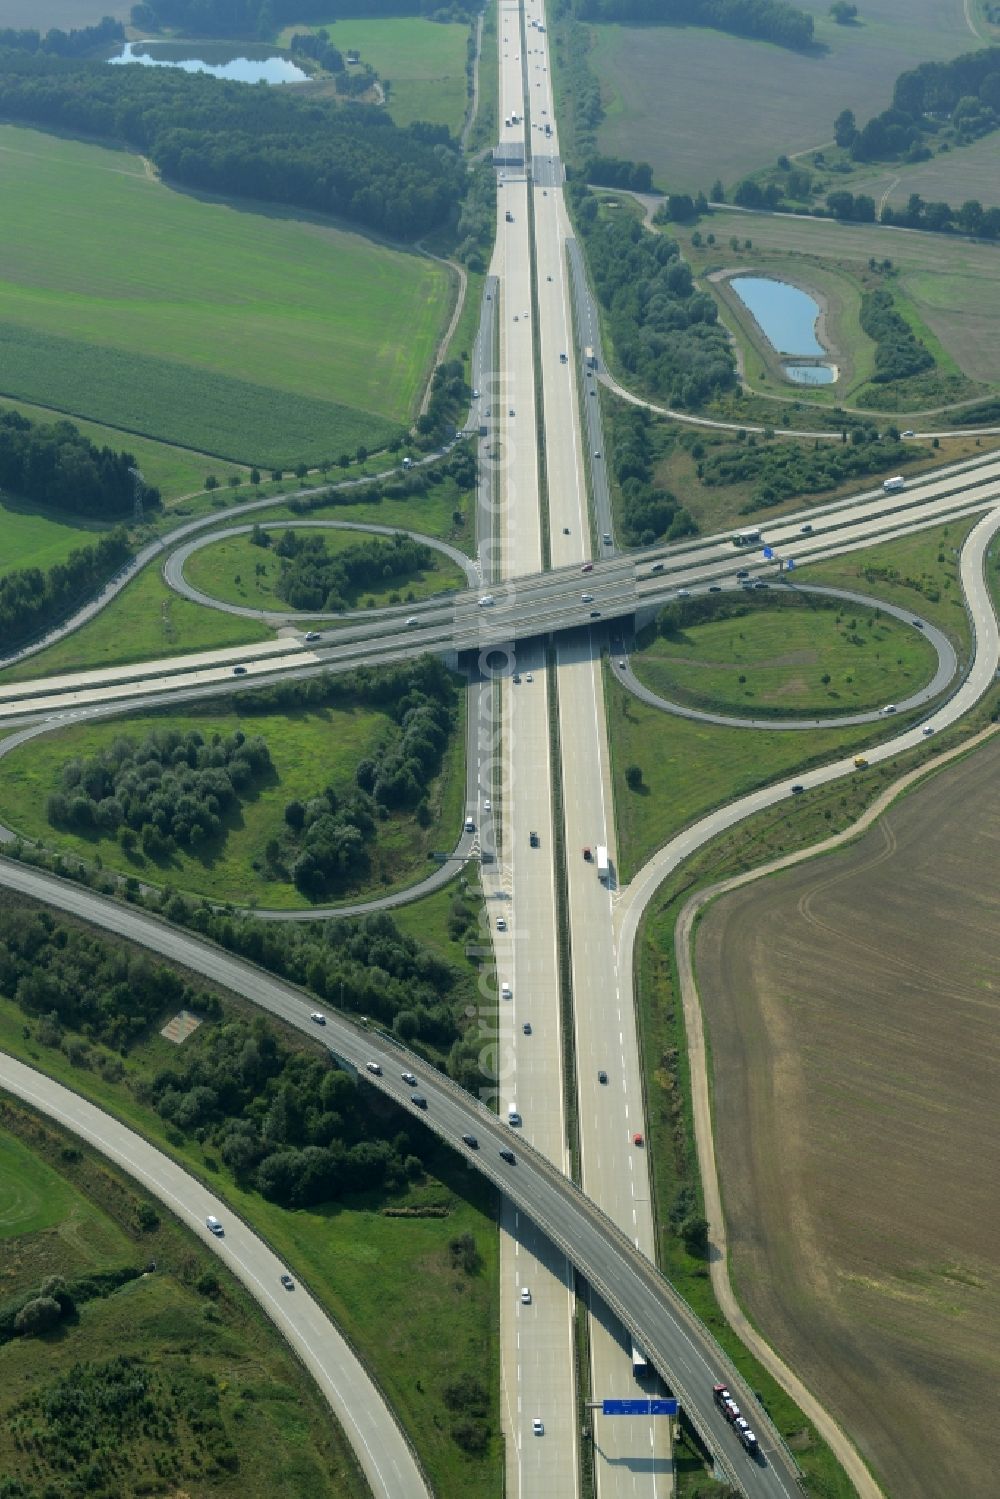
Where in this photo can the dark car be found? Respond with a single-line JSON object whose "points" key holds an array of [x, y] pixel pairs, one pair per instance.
{"points": [[471, 1141], [797, 790], [418, 1100], [715, 587], [288, 1283], [602, 1076], [744, 572], [508, 1156], [533, 838], [526, 1027], [239, 671], [595, 613]]}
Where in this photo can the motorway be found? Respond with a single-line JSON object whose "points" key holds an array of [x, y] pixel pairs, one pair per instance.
{"points": [[379, 1444], [605, 1231]]}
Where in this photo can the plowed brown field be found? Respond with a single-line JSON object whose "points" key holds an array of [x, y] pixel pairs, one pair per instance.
{"points": [[853, 1009]]}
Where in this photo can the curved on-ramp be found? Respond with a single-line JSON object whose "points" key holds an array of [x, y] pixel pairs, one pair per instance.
{"points": [[382, 1451], [947, 665]]}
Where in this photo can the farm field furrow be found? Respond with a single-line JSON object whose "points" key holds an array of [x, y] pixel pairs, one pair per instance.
{"points": [[667, 102], [854, 1023], [261, 335]]}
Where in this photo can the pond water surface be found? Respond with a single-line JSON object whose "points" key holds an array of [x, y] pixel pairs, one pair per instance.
{"points": [[249, 65], [810, 374], [786, 315]]}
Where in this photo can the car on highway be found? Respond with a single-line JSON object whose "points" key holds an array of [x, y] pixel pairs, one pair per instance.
{"points": [[715, 587], [637, 1139], [761, 584], [602, 1077], [318, 1017], [537, 1428], [501, 923], [683, 593], [623, 665], [487, 601], [587, 854], [596, 454], [744, 572], [889, 708], [413, 620], [213, 1223], [313, 635], [408, 1079], [487, 805], [525, 1296], [860, 762], [510, 411], [606, 538], [288, 1282], [526, 1028], [563, 358], [908, 433], [588, 567], [586, 598], [529, 677], [533, 838], [508, 1156], [469, 825], [505, 991], [471, 1141], [797, 790], [418, 1100], [374, 1067], [595, 613], [928, 728], [239, 671], [918, 622]]}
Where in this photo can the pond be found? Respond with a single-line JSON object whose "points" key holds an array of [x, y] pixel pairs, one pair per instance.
{"points": [[786, 315], [250, 64], [810, 374]]}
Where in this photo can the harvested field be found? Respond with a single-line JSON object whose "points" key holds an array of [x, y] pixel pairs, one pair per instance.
{"points": [[664, 105], [853, 1009]]}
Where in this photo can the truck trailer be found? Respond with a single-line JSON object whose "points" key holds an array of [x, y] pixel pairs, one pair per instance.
{"points": [[603, 866], [894, 485]]}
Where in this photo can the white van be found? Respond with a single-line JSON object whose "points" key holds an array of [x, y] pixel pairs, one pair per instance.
{"points": [[506, 992], [513, 1117]]}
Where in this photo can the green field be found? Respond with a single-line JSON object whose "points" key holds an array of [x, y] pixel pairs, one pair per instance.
{"points": [[40, 15], [950, 177], [33, 538], [421, 64], [664, 103], [309, 750], [215, 569], [268, 337], [292, 1445], [948, 286], [147, 620], [773, 661]]}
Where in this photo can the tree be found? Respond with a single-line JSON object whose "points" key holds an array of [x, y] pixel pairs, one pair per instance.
{"points": [[694, 1233], [843, 12], [37, 1316], [845, 129], [633, 777], [718, 193]]}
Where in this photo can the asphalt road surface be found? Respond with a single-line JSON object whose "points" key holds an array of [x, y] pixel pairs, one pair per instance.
{"points": [[371, 1429]]}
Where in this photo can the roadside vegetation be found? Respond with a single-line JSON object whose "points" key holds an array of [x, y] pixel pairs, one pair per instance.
{"points": [[356, 1249], [339, 788], [346, 570], [79, 1236], [351, 324], [784, 657]]}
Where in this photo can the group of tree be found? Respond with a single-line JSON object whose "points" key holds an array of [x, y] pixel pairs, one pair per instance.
{"points": [[271, 144], [899, 353], [170, 790], [648, 513], [31, 600], [460, 467], [447, 399], [318, 46], [614, 171], [261, 18], [963, 93], [55, 465], [284, 1121], [87, 41], [941, 218], [771, 20], [666, 333], [779, 470], [316, 580]]}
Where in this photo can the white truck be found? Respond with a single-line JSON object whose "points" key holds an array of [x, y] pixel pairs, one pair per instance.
{"points": [[894, 485], [603, 866], [640, 1363]]}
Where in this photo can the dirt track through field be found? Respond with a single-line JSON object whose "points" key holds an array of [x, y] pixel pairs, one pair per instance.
{"points": [[853, 1010]]}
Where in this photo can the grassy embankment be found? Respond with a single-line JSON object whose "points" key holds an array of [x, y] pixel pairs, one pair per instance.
{"points": [[228, 570], [775, 831], [309, 750], [268, 337], [391, 1282], [774, 661], [66, 1212]]}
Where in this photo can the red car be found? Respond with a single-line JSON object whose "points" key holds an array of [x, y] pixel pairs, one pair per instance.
{"points": [[587, 854], [637, 1140]]}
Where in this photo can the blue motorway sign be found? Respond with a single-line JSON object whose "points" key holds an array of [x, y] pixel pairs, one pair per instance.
{"points": [[768, 553], [789, 564], [639, 1407]]}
